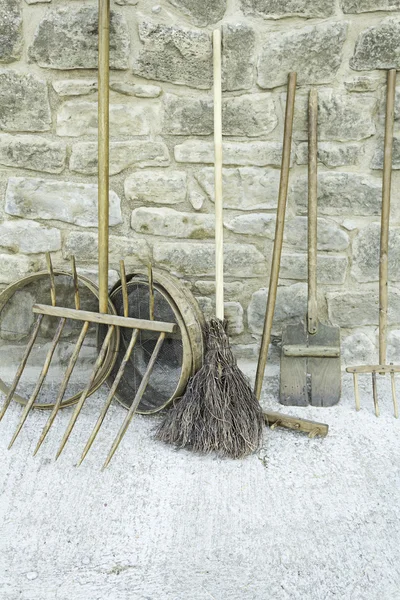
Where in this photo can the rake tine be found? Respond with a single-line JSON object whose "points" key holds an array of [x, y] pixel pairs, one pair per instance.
{"points": [[375, 393], [151, 293], [41, 379], [76, 284], [22, 365], [136, 401], [64, 383], [124, 288], [111, 394], [396, 409], [52, 280], [86, 391], [356, 391]]}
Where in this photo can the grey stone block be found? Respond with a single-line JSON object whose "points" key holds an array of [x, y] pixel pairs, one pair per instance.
{"points": [[257, 154], [13, 267], [32, 152], [360, 6], [10, 30], [159, 187], [353, 308], [172, 223], [366, 253], [330, 269], [29, 237], [315, 52], [67, 38], [276, 9], [24, 102], [291, 306], [357, 349], [377, 159], [201, 13], [84, 247], [330, 154], [330, 236], [238, 56], [378, 47], [254, 224]]}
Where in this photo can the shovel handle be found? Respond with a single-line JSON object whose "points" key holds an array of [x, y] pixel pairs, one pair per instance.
{"points": [[386, 188], [312, 311]]}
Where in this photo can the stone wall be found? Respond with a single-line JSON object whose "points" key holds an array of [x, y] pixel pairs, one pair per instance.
{"points": [[162, 150]]}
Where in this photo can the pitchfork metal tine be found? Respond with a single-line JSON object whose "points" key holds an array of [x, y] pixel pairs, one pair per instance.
{"points": [[41, 379], [86, 391], [136, 401], [375, 393]]}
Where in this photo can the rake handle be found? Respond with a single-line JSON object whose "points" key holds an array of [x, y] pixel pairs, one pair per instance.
{"points": [[103, 151], [280, 221], [219, 226], [312, 309], [386, 189]]}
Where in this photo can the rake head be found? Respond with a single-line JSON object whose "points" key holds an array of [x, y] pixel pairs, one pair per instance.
{"points": [[375, 370]]}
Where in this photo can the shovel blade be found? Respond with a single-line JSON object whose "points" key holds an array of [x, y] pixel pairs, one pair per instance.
{"points": [[293, 377], [325, 373]]}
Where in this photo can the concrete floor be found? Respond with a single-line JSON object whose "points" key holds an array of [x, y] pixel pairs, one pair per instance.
{"points": [[317, 519]]}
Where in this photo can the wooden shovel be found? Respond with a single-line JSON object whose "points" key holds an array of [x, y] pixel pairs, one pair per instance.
{"points": [[310, 359]]}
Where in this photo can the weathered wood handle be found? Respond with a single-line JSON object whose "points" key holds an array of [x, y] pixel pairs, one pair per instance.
{"points": [[313, 428], [219, 225], [312, 311]]}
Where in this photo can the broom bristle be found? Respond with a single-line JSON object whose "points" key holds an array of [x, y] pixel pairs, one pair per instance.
{"points": [[218, 412]]}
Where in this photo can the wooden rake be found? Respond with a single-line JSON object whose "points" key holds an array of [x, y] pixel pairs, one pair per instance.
{"points": [[383, 368]]}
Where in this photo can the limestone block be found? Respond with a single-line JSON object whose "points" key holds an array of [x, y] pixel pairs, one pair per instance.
{"points": [[29, 237], [354, 308], [277, 9], [330, 154], [201, 13], [83, 246], [330, 269], [360, 6], [249, 115], [171, 223], [393, 347], [13, 267], [259, 154], [24, 102], [66, 201], [291, 306], [330, 236], [80, 118], [10, 30], [17, 316], [363, 83], [378, 47], [254, 224], [377, 159], [32, 152], [233, 312], [187, 258], [67, 38], [175, 54], [357, 349], [315, 52], [122, 156], [340, 194], [155, 186], [245, 188], [366, 253], [74, 87], [135, 89], [238, 56]]}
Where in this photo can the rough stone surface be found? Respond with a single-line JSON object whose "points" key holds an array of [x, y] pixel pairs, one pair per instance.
{"points": [[361, 307], [276, 9], [83, 246], [10, 30], [366, 253], [135, 89], [14, 267], [17, 317], [187, 258], [363, 83], [171, 223], [393, 347], [66, 201], [32, 152], [377, 159], [341, 194], [67, 39], [233, 313], [201, 13], [29, 237], [122, 156], [291, 305], [330, 269], [258, 224], [345, 117], [24, 102], [378, 47], [250, 115], [156, 187], [357, 349], [80, 118], [238, 56], [176, 54], [235, 153], [330, 154], [75, 87], [360, 6], [330, 236], [245, 188], [315, 52]]}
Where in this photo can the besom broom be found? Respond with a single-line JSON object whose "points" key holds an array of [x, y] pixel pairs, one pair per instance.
{"points": [[218, 412]]}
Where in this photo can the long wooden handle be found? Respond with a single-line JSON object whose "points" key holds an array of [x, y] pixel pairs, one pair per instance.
{"points": [[280, 220], [386, 188], [103, 146], [312, 312], [219, 226]]}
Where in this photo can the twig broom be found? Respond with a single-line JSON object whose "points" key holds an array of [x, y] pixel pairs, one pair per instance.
{"points": [[218, 412]]}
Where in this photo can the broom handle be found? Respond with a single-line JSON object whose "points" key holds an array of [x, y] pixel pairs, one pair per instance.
{"points": [[280, 221], [312, 310], [219, 226], [103, 150], [386, 185]]}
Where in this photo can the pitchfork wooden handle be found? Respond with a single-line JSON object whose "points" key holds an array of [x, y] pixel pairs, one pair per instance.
{"points": [[219, 226], [312, 312]]}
